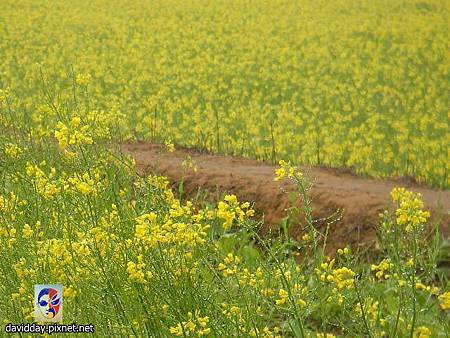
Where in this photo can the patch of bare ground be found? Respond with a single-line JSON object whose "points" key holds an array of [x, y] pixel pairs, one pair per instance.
{"points": [[360, 200]]}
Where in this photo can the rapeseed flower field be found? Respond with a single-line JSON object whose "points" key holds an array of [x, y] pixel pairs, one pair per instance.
{"points": [[315, 82], [138, 262], [362, 85]]}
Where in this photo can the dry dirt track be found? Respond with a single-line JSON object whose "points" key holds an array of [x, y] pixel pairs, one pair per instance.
{"points": [[360, 200]]}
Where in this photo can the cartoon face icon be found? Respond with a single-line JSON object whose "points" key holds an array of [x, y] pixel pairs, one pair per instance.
{"points": [[49, 302]]}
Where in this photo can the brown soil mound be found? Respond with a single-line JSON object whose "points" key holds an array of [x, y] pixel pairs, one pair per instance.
{"points": [[360, 200]]}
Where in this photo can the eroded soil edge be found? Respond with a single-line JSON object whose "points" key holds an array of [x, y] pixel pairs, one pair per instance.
{"points": [[360, 200]]}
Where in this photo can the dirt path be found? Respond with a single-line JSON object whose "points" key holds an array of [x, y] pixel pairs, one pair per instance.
{"points": [[360, 200]]}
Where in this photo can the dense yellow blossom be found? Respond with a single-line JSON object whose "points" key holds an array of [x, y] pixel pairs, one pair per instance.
{"points": [[337, 84], [283, 297], [136, 272], [409, 213], [230, 210], [12, 150], [342, 277], [69, 292], [27, 231], [445, 300], [422, 332], [73, 135]]}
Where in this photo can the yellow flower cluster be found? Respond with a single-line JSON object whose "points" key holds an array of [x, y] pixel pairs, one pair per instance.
{"points": [[433, 290], [445, 301], [12, 150], [410, 215], [84, 184], [83, 79], [69, 292], [11, 203], [170, 231], [194, 326], [4, 95], [283, 297], [285, 170], [74, 134], [422, 332], [381, 270], [45, 185], [230, 210], [27, 232], [230, 265], [325, 335], [345, 251], [342, 278], [266, 332], [169, 145], [136, 271], [231, 311]]}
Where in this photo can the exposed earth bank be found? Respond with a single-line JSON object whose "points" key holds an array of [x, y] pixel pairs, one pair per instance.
{"points": [[360, 200]]}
